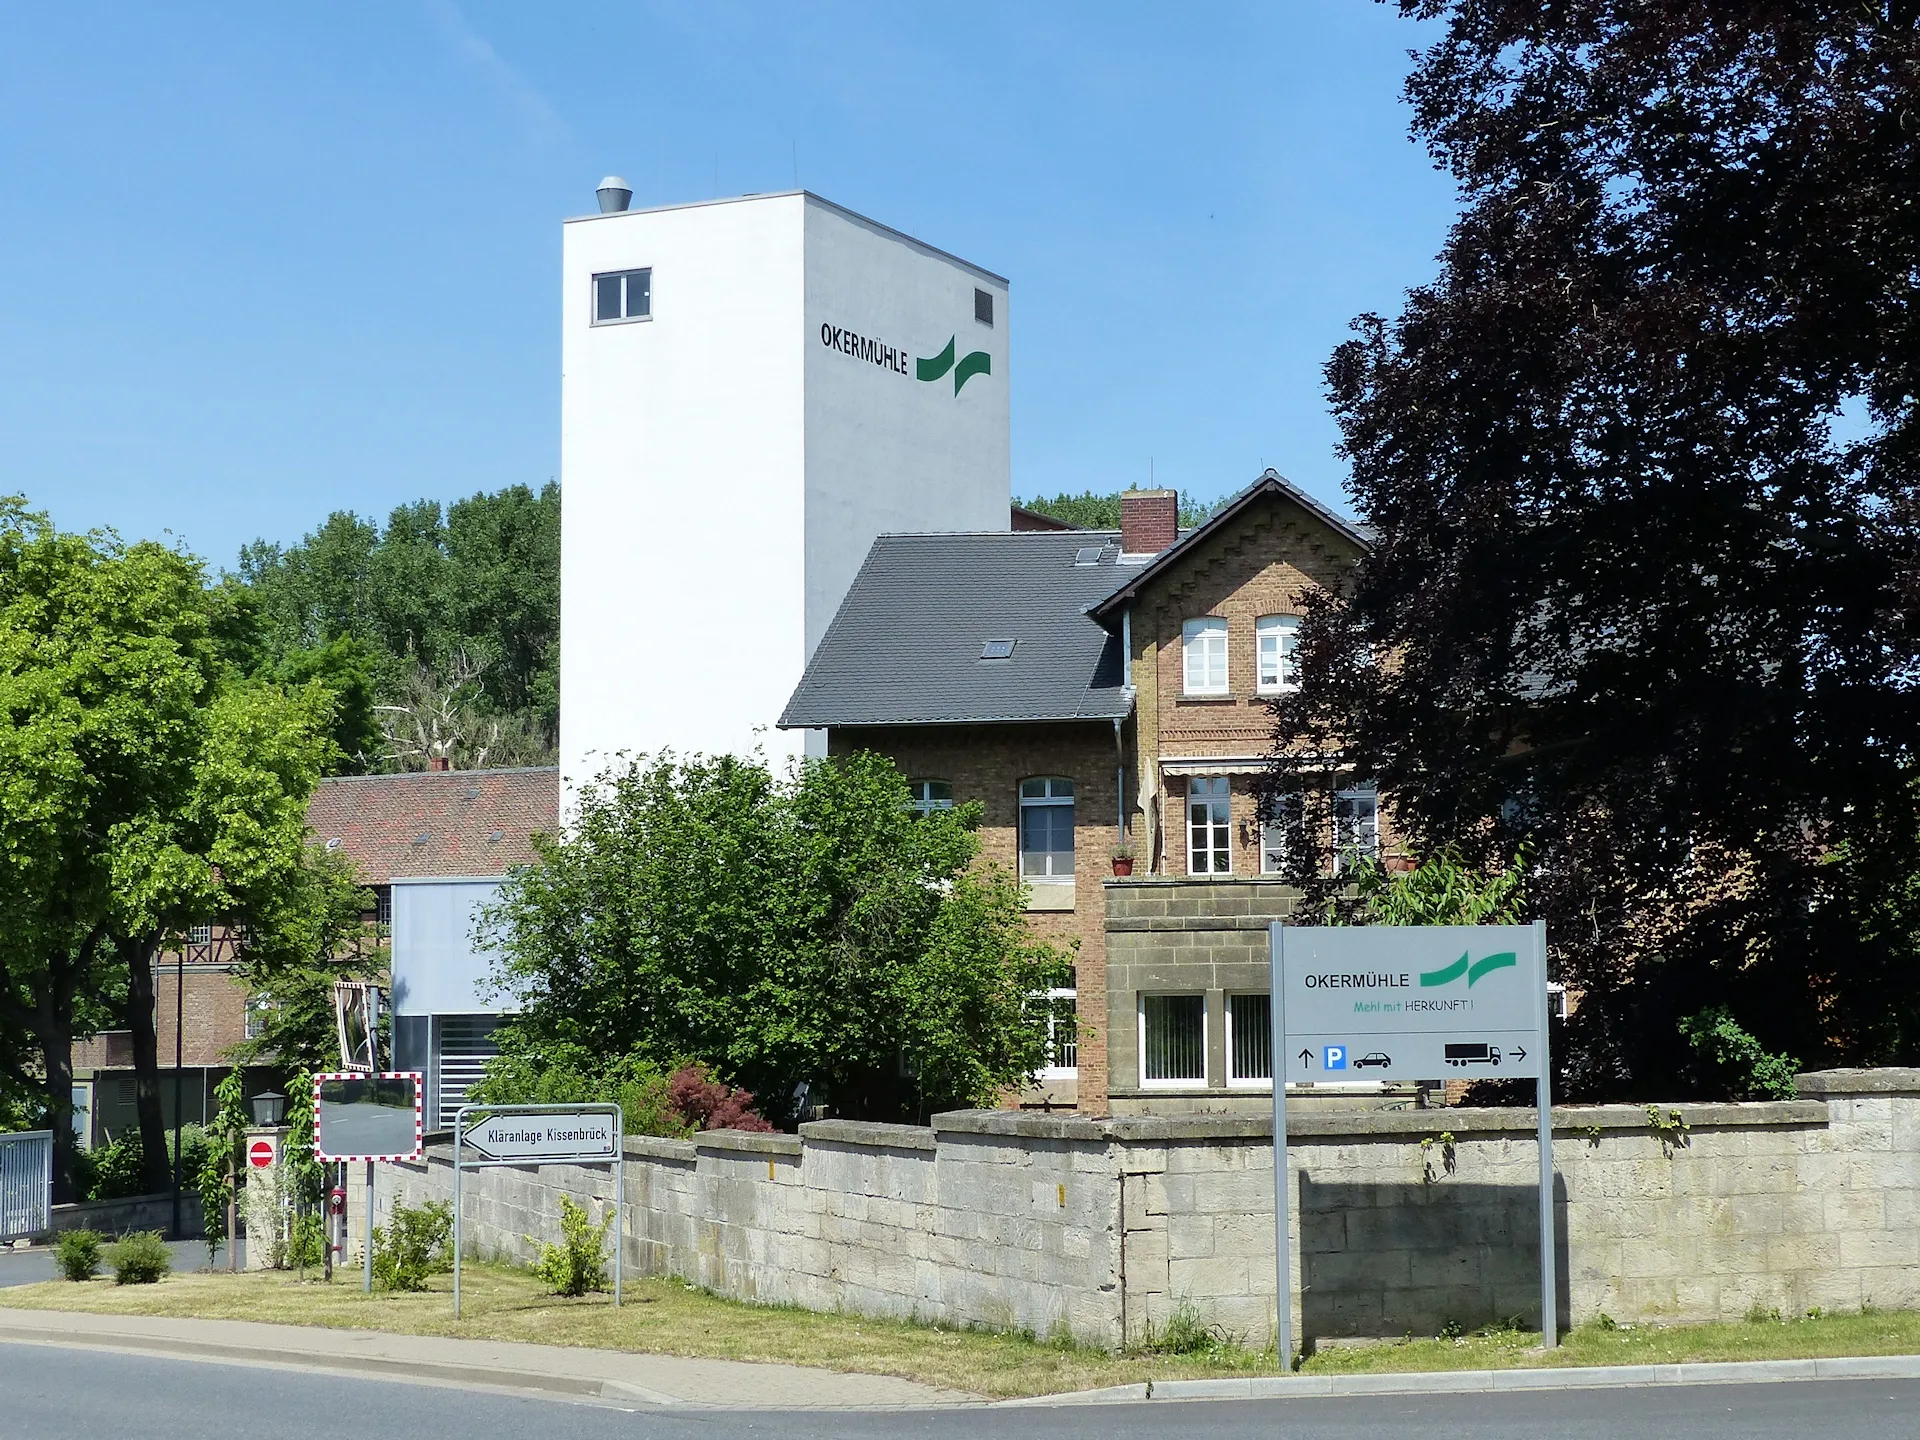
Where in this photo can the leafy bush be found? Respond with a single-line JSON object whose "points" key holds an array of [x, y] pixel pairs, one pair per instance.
{"points": [[412, 1246], [707, 1104], [805, 926], [114, 1171], [141, 1258], [565, 1074], [77, 1253], [652, 1101], [1736, 1060], [578, 1263]]}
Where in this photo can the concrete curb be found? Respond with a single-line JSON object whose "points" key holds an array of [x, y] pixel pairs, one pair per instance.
{"points": [[1446, 1382]]}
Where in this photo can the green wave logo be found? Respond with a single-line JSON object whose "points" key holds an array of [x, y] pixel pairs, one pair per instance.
{"points": [[978, 362], [1486, 965]]}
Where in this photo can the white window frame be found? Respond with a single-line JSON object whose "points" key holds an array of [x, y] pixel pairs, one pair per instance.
{"points": [[199, 934], [625, 278], [1246, 1082], [1052, 998], [1277, 640], [1050, 797], [1205, 640], [1341, 828], [925, 801], [1182, 1083], [1218, 798]]}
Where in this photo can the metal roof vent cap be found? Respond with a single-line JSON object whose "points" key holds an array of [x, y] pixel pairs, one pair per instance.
{"points": [[615, 195]]}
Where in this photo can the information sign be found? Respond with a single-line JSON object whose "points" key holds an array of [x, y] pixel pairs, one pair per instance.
{"points": [[586, 1136], [1412, 1002], [1409, 1002]]}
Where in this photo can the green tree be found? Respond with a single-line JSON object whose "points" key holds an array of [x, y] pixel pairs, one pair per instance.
{"points": [[453, 611], [1640, 463], [105, 665], [778, 930], [144, 788]]}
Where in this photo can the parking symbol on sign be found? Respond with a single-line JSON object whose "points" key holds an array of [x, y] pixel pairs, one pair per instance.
{"points": [[1336, 1057]]}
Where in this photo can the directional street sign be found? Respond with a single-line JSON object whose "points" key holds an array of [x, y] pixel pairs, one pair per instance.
{"points": [[1412, 1002], [585, 1135]]}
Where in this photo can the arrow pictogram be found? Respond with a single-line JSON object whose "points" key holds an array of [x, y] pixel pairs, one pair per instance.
{"points": [[1518, 1053], [1306, 1058]]}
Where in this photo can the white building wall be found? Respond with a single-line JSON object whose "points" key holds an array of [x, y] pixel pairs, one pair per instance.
{"points": [[725, 471]]}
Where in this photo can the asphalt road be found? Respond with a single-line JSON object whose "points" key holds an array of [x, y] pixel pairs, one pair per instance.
{"points": [[52, 1393]]}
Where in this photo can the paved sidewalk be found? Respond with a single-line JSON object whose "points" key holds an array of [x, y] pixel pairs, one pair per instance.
{"points": [[501, 1364]]}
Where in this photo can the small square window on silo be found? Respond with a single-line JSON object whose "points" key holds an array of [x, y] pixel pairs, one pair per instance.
{"points": [[983, 306]]}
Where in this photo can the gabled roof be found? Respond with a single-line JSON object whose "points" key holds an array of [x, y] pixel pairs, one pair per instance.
{"points": [[1271, 483], [906, 646], [436, 822]]}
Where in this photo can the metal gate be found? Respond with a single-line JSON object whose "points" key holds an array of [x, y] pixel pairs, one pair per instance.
{"points": [[26, 1183]]}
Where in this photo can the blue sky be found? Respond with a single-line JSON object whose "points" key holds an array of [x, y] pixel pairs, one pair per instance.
{"points": [[258, 263]]}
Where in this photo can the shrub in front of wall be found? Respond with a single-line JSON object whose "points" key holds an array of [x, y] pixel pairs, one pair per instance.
{"points": [[413, 1245], [141, 1258], [578, 1263], [77, 1253]]}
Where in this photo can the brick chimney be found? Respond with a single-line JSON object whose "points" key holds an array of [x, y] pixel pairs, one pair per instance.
{"points": [[439, 762], [1149, 521]]}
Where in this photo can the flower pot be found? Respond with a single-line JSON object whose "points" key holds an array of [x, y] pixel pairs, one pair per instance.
{"points": [[1123, 865]]}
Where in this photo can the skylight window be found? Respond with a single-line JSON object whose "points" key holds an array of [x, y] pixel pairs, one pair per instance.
{"points": [[1087, 555], [997, 650]]}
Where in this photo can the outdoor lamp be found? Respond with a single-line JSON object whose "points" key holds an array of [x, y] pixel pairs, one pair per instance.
{"points": [[269, 1107]]}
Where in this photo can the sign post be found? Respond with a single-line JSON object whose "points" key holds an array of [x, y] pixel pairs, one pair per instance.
{"points": [[1409, 1002], [541, 1135]]}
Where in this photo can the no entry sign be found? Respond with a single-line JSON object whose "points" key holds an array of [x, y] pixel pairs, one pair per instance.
{"points": [[261, 1153]]}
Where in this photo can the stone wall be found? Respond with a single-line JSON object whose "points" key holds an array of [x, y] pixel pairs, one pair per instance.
{"points": [[1028, 1221]]}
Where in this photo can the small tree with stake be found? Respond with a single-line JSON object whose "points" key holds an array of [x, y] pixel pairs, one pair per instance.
{"points": [[220, 1172]]}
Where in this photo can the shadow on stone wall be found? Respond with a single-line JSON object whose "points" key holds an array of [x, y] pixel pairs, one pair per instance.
{"points": [[1386, 1260]]}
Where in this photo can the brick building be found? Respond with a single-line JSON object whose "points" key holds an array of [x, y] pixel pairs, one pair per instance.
{"points": [[407, 828], [1094, 690]]}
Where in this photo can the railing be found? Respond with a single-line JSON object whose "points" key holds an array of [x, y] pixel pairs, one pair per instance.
{"points": [[26, 1183]]}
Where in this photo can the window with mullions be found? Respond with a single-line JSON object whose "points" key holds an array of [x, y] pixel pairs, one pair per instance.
{"points": [[1173, 1040], [1046, 829], [1356, 827], [1278, 638], [622, 295], [1209, 826], [931, 795], [1204, 643], [1249, 1040]]}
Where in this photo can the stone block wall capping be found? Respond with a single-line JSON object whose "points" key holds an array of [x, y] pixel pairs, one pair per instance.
{"points": [[753, 1141], [659, 1147], [863, 1132], [1858, 1082], [1411, 1124]]}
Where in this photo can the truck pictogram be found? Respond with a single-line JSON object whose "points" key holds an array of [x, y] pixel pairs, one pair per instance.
{"points": [[1478, 1053]]}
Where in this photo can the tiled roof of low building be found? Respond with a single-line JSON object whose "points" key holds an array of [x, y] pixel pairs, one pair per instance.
{"points": [[914, 642], [436, 822]]}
